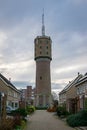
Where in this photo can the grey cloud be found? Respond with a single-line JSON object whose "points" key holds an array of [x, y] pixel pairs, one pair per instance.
{"points": [[13, 13], [68, 16], [19, 42], [56, 86], [2, 70], [20, 84], [69, 56], [23, 84], [69, 50], [65, 21]]}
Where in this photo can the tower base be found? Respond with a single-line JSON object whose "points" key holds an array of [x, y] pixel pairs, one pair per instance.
{"points": [[43, 100]]}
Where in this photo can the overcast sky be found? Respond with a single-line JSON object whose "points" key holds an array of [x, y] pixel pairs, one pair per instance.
{"points": [[20, 24]]}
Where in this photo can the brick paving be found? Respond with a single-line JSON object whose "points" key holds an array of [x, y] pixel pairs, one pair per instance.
{"points": [[43, 120]]}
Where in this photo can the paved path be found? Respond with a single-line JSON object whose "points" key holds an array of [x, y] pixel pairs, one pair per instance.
{"points": [[43, 120]]}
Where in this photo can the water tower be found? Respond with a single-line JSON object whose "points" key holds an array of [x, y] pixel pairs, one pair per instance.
{"points": [[43, 57]]}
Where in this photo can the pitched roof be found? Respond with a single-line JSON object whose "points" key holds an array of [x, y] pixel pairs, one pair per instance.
{"points": [[7, 82], [83, 79], [71, 83]]}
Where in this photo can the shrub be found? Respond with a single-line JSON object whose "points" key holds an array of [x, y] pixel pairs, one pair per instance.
{"points": [[20, 126], [41, 108], [85, 103], [30, 109], [61, 111], [23, 123], [17, 127], [79, 119], [20, 112], [51, 109], [17, 121]]}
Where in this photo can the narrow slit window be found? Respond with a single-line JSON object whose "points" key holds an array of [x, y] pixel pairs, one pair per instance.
{"points": [[40, 77]]}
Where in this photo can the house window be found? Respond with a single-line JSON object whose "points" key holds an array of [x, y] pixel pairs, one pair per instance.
{"points": [[12, 104], [86, 86], [16, 105], [47, 47], [40, 52], [40, 47]]}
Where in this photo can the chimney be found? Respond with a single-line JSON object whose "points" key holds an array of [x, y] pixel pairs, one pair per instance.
{"points": [[78, 73], [9, 79]]}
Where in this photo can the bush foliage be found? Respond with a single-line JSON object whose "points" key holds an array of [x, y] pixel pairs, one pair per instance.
{"points": [[18, 120], [41, 108], [20, 111], [52, 109], [79, 119], [30, 109], [61, 111]]}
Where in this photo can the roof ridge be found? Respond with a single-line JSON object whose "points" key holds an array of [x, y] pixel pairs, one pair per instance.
{"points": [[7, 81]]}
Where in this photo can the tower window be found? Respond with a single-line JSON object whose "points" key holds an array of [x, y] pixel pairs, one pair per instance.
{"points": [[40, 47], [40, 77], [40, 52], [47, 47]]}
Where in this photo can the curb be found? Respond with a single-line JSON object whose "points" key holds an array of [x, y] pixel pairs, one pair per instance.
{"points": [[81, 128]]}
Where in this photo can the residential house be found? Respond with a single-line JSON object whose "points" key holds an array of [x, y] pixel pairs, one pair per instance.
{"points": [[68, 95], [81, 88], [11, 92]]}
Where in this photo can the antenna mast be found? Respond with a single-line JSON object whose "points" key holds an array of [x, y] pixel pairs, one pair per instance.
{"points": [[43, 26]]}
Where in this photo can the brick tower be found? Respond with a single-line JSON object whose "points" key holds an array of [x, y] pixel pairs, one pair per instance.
{"points": [[43, 77]]}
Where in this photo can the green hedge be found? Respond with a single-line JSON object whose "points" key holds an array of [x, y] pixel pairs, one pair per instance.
{"points": [[61, 111], [20, 111], [79, 119], [85, 103], [41, 108], [30, 109]]}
